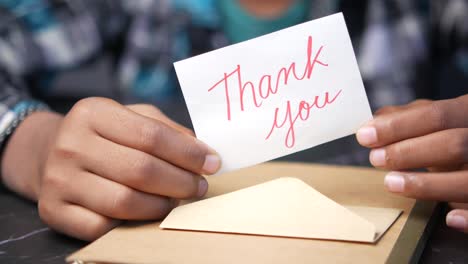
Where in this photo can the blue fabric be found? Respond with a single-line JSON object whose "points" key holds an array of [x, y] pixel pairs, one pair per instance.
{"points": [[202, 12], [239, 25], [36, 13]]}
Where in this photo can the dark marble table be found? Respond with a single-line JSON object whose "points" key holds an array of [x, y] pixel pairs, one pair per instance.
{"points": [[25, 239]]}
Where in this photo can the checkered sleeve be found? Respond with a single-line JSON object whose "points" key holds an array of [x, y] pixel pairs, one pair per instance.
{"points": [[15, 106]]}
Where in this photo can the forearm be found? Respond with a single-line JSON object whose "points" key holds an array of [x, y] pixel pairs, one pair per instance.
{"points": [[26, 151]]}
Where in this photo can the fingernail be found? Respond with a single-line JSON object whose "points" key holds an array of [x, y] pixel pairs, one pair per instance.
{"points": [[367, 135], [377, 157], [212, 164], [202, 187], [395, 182], [456, 221]]}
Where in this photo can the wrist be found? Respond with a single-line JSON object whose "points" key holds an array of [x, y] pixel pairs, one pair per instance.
{"points": [[26, 152]]}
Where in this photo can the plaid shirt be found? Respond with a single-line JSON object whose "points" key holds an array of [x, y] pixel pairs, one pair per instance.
{"points": [[42, 39]]}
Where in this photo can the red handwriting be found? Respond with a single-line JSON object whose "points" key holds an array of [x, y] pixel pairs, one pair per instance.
{"points": [[303, 113], [268, 85], [266, 81]]}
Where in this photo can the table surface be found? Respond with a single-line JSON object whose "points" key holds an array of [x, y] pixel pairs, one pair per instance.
{"points": [[25, 239]]}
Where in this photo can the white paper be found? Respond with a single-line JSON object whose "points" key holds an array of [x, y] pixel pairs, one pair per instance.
{"points": [[240, 124]]}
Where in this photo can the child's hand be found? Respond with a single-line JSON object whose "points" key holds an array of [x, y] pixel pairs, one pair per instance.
{"points": [[424, 134], [108, 162]]}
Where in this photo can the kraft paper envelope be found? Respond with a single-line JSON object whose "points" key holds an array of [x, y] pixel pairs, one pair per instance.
{"points": [[359, 187], [285, 207]]}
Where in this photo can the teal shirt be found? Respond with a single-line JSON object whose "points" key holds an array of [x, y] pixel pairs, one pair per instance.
{"points": [[239, 25]]}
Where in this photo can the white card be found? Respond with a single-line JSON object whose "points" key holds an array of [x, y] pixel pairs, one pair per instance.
{"points": [[277, 94]]}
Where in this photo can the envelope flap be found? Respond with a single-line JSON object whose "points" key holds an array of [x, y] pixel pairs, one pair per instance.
{"points": [[285, 207]]}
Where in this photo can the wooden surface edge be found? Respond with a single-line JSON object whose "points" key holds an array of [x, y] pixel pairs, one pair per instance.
{"points": [[415, 233]]}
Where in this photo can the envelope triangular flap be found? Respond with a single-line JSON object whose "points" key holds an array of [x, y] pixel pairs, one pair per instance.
{"points": [[285, 207]]}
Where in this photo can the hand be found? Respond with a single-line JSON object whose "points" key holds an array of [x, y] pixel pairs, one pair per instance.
{"points": [[424, 134], [107, 162]]}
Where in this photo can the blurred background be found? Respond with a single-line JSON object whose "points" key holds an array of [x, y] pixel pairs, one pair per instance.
{"points": [[60, 51]]}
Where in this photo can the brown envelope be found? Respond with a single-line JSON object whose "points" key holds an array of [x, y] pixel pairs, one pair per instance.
{"points": [[285, 207], [356, 187]]}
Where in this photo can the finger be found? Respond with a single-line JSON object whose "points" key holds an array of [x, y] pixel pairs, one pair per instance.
{"points": [[449, 186], [445, 168], [387, 110], [419, 102], [142, 171], [123, 126], [414, 121], [154, 113], [458, 219], [459, 206], [74, 220], [444, 148], [393, 109], [115, 200]]}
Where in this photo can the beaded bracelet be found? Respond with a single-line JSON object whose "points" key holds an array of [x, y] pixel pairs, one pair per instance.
{"points": [[20, 116]]}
